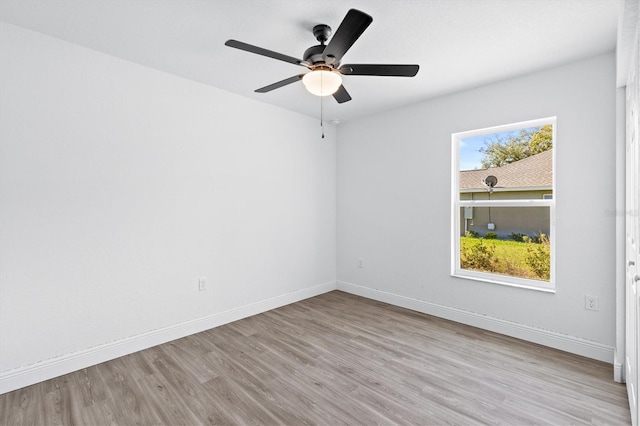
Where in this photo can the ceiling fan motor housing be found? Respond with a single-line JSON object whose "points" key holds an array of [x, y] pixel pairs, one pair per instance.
{"points": [[314, 54]]}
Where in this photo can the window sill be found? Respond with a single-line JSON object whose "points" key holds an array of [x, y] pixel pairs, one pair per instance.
{"points": [[543, 286]]}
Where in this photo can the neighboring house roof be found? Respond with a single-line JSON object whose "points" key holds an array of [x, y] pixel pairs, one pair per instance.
{"points": [[531, 172]]}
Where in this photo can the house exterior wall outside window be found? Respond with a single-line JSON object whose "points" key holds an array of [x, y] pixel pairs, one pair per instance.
{"points": [[507, 220], [527, 179]]}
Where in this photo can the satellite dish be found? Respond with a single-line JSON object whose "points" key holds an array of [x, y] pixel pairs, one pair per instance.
{"points": [[490, 181]]}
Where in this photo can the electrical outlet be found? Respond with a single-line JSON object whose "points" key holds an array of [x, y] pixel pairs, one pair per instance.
{"points": [[590, 303], [202, 283]]}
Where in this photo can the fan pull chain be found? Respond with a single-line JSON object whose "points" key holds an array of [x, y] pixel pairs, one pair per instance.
{"points": [[321, 108], [321, 119]]}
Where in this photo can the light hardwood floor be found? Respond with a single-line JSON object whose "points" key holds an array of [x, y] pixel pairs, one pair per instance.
{"points": [[331, 359]]}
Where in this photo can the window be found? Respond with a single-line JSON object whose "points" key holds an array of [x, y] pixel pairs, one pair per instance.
{"points": [[503, 204]]}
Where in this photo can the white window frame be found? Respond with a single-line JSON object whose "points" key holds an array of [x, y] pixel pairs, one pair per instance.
{"points": [[457, 204]]}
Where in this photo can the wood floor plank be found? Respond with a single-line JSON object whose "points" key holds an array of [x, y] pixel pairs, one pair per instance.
{"points": [[228, 395], [90, 385], [332, 359]]}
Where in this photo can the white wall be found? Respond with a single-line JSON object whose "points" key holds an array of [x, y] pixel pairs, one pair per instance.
{"points": [[120, 185], [393, 208]]}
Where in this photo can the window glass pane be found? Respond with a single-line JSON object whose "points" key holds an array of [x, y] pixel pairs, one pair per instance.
{"points": [[509, 241], [507, 165], [503, 202]]}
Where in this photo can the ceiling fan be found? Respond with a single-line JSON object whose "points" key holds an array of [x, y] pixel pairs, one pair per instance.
{"points": [[323, 61]]}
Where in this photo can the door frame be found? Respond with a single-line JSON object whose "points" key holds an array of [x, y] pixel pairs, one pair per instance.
{"points": [[627, 78]]}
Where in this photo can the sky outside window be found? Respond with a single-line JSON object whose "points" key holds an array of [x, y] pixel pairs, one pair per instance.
{"points": [[470, 155]]}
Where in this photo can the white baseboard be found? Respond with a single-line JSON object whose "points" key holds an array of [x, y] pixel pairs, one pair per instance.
{"points": [[549, 338], [618, 372], [618, 367], [48, 369]]}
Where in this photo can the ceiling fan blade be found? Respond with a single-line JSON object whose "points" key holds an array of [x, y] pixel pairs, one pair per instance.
{"points": [[341, 95], [279, 84], [264, 52], [380, 70], [351, 28]]}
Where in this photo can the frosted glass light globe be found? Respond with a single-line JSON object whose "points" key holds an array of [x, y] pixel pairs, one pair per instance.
{"points": [[322, 82]]}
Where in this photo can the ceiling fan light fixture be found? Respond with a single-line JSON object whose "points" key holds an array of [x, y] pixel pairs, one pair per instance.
{"points": [[322, 82], [323, 60]]}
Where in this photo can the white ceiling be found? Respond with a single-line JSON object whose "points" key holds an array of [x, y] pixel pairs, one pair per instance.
{"points": [[457, 43]]}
